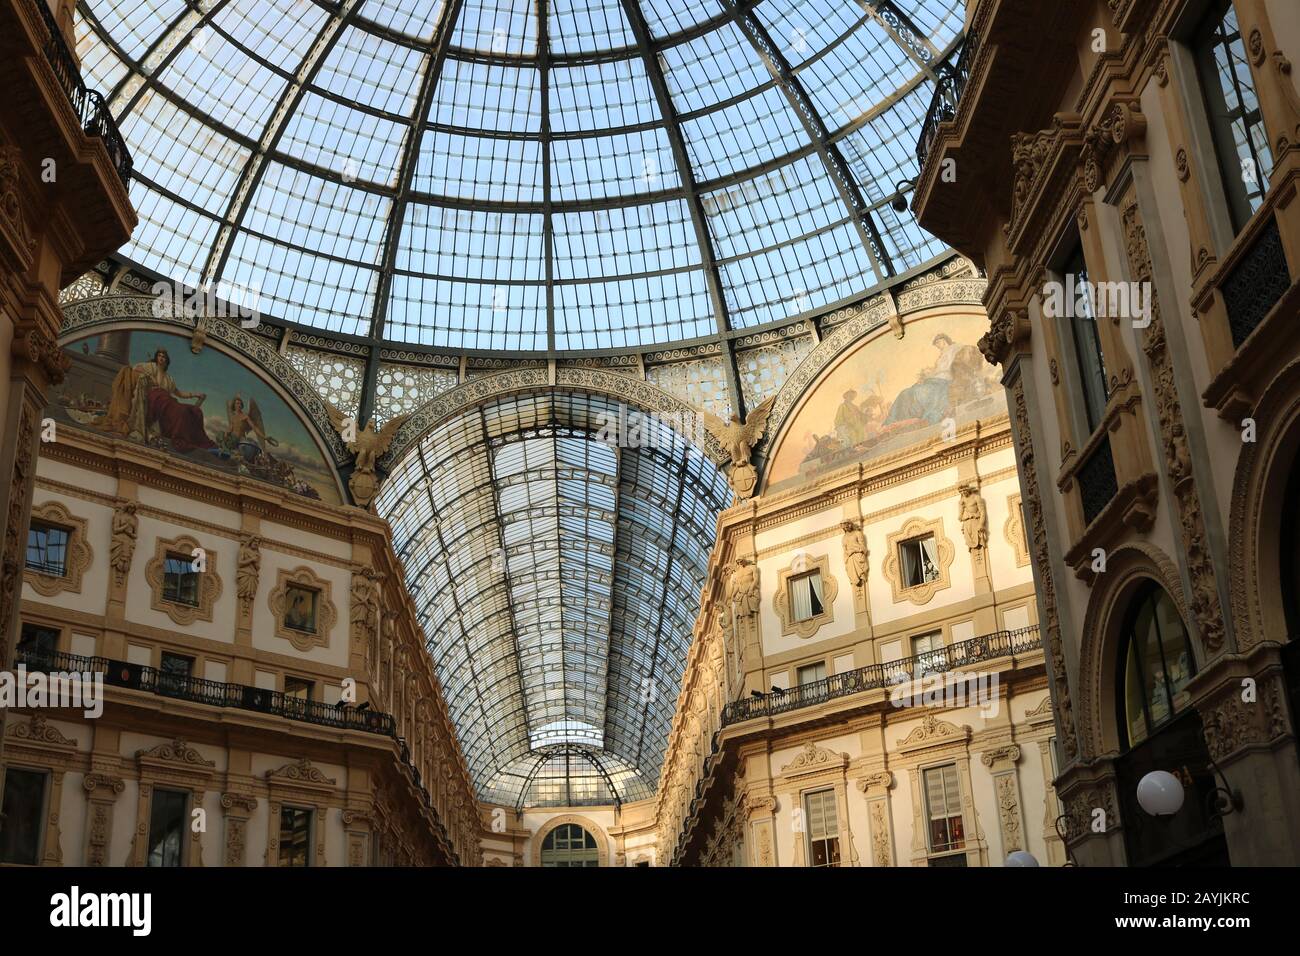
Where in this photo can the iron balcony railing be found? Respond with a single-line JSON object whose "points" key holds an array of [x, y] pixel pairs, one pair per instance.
{"points": [[214, 693], [952, 79], [953, 657], [91, 109]]}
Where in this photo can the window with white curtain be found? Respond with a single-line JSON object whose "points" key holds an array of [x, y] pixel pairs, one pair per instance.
{"points": [[810, 673], [806, 600], [919, 559], [823, 828], [943, 803], [928, 651]]}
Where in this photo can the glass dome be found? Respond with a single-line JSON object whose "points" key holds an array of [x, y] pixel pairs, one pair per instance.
{"points": [[524, 175]]}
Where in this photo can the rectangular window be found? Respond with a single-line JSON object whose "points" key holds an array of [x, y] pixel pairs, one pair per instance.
{"points": [[812, 672], [1240, 140], [1087, 343], [24, 816], [295, 836], [167, 827], [806, 596], [180, 580], [929, 653], [37, 645], [943, 801], [919, 561], [297, 695], [174, 674], [823, 828], [47, 549]]}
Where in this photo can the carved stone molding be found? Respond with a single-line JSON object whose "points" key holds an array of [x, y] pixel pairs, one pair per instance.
{"points": [[37, 731], [1121, 125], [77, 557], [1006, 789], [892, 568], [210, 585], [1044, 580], [812, 759], [1232, 724], [102, 790], [1082, 819], [316, 628], [933, 732], [1200, 567], [1013, 530], [1001, 758], [802, 565], [1009, 331]]}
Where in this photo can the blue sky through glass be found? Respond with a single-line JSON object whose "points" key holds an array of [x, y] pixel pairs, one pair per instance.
{"points": [[534, 188]]}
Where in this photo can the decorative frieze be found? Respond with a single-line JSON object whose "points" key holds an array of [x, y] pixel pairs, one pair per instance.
{"points": [[1178, 462], [1050, 623]]}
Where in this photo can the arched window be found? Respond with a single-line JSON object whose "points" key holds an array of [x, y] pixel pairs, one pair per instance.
{"points": [[1157, 664], [569, 845]]}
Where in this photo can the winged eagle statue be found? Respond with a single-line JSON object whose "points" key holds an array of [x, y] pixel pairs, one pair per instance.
{"points": [[368, 445], [739, 439]]}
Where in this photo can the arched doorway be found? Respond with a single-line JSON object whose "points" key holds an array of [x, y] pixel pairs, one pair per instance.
{"points": [[1160, 730], [570, 845]]}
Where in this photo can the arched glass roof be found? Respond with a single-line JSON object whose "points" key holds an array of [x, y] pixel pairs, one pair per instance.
{"points": [[557, 576], [532, 175]]}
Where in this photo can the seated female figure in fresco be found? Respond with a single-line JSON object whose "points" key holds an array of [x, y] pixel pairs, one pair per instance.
{"points": [[955, 377], [146, 405]]}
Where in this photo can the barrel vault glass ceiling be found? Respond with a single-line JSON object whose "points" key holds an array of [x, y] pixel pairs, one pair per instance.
{"points": [[557, 579], [526, 175]]}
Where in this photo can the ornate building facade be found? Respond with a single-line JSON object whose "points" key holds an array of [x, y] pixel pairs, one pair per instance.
{"points": [[63, 203], [1137, 223], [866, 685], [266, 695]]}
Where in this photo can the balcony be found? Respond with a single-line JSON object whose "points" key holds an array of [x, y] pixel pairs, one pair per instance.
{"points": [[213, 693], [953, 78], [89, 106], [989, 647], [75, 168]]}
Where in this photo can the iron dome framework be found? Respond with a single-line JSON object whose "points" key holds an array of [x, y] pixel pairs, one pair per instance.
{"points": [[513, 180]]}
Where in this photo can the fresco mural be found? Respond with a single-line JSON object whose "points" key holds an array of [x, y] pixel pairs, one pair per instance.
{"points": [[149, 387], [889, 394]]}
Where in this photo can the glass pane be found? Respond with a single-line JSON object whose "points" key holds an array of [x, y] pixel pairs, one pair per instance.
{"points": [[295, 835], [23, 806], [166, 827]]}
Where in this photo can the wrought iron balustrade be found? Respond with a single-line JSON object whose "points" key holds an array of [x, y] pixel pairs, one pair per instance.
{"points": [[1256, 284], [1097, 481], [952, 80], [214, 693], [987, 647], [91, 108]]}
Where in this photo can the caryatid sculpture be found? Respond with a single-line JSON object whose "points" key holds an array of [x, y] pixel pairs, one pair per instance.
{"points": [[855, 554]]}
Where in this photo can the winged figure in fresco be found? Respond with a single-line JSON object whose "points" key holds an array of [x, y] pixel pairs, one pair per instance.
{"points": [[739, 439], [246, 428], [368, 445]]}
